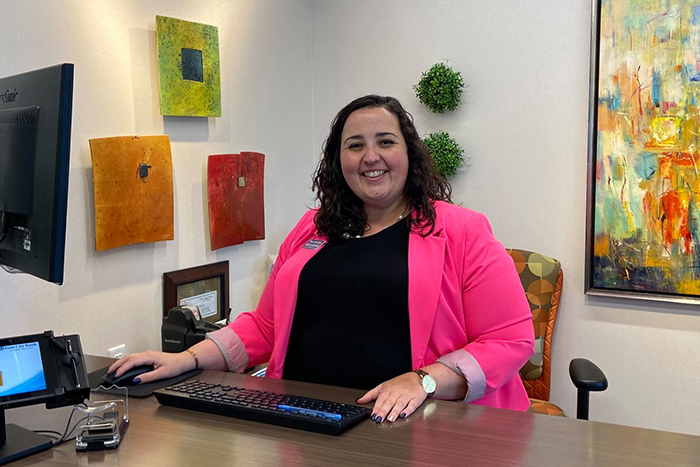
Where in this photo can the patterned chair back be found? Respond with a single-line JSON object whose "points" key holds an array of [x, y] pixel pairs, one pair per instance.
{"points": [[542, 279]]}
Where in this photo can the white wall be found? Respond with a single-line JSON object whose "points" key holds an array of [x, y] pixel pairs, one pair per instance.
{"points": [[115, 296], [523, 122]]}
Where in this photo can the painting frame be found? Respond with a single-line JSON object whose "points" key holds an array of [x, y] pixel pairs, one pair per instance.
{"points": [[593, 286], [195, 282]]}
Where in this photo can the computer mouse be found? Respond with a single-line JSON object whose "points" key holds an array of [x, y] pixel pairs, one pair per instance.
{"points": [[127, 379]]}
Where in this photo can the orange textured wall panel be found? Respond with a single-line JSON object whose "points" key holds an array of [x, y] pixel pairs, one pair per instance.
{"points": [[130, 207]]}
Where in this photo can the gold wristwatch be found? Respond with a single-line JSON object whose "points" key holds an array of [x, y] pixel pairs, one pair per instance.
{"points": [[428, 382]]}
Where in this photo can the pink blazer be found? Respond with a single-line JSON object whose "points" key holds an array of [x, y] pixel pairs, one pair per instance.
{"points": [[465, 302]]}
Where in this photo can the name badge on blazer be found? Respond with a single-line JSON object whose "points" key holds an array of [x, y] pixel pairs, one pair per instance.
{"points": [[314, 244]]}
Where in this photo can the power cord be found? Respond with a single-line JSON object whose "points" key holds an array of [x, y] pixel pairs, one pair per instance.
{"points": [[48, 432], [11, 270], [4, 225]]}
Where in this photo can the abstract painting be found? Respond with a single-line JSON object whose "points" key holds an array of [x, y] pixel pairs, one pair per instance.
{"points": [[236, 198], [188, 68], [133, 183], [643, 224]]}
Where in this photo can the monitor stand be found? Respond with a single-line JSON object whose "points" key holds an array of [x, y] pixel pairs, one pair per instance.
{"points": [[17, 442]]}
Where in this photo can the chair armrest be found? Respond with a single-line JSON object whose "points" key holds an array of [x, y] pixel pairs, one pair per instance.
{"points": [[586, 375]]}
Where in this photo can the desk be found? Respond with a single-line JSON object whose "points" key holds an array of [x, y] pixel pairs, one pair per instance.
{"points": [[439, 433]]}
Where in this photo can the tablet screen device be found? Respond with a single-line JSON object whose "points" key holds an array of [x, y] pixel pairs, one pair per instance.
{"points": [[37, 369]]}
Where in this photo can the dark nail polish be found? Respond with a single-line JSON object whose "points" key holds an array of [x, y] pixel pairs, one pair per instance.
{"points": [[374, 415], [403, 415], [137, 380], [379, 420]]}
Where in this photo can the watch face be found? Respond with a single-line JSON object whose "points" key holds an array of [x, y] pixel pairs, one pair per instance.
{"points": [[429, 384]]}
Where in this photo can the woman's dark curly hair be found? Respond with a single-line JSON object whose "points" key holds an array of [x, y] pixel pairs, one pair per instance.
{"points": [[340, 213]]}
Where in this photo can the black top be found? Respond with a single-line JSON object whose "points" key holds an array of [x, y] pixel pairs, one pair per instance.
{"points": [[351, 325]]}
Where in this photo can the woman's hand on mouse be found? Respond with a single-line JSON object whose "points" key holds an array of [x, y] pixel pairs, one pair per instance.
{"points": [[166, 365]]}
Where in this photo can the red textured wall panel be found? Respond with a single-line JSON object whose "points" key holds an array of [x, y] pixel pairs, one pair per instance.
{"points": [[236, 198]]}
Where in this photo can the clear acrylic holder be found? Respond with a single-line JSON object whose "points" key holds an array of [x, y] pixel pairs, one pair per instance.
{"points": [[104, 428]]}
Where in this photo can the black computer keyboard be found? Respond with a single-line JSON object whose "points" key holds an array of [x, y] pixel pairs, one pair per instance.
{"points": [[302, 413]]}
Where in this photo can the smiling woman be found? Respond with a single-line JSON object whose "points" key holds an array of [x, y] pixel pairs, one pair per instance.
{"points": [[386, 122], [387, 286], [374, 162]]}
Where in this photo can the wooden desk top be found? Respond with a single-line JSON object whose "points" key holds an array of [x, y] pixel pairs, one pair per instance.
{"points": [[439, 433]]}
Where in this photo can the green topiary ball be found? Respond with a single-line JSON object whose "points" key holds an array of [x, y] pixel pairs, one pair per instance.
{"points": [[440, 88], [446, 152]]}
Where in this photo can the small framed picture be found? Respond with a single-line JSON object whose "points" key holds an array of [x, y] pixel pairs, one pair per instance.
{"points": [[205, 287]]}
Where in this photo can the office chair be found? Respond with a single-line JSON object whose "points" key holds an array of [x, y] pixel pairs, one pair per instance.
{"points": [[542, 279]]}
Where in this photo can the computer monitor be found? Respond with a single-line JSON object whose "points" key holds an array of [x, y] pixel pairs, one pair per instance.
{"points": [[37, 369], [35, 127]]}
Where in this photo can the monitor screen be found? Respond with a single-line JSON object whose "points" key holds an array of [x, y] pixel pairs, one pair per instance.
{"points": [[21, 369], [35, 129]]}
